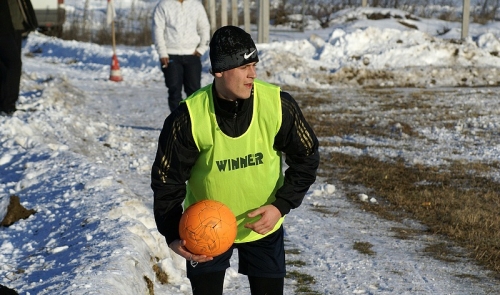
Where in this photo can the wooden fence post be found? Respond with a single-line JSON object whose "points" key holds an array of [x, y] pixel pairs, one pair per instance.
{"points": [[465, 18], [263, 28]]}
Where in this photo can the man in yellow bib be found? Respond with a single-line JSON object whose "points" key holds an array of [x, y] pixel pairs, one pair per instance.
{"points": [[225, 142]]}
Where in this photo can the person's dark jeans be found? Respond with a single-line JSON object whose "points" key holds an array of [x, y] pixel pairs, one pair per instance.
{"points": [[182, 70], [10, 70]]}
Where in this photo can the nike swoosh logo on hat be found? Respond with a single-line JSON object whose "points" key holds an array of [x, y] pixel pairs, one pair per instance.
{"points": [[246, 56]]}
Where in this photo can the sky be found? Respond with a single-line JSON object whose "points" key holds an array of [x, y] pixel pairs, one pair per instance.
{"points": [[80, 149]]}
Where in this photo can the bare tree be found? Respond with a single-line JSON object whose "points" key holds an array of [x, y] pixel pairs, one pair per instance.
{"points": [[322, 10], [487, 11], [279, 13]]}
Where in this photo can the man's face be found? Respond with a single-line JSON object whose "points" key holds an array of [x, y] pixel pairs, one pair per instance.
{"points": [[236, 83]]}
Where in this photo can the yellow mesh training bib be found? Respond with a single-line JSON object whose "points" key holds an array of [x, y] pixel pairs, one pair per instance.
{"points": [[243, 172]]}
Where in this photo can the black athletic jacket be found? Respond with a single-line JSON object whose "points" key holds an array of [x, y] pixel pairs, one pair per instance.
{"points": [[176, 145]]}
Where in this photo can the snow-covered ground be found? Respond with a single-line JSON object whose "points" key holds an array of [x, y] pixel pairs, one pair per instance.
{"points": [[80, 154]]}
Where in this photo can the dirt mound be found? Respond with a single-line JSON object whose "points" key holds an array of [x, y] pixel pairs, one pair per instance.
{"points": [[15, 212]]}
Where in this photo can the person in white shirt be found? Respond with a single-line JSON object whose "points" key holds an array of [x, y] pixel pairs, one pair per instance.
{"points": [[181, 34]]}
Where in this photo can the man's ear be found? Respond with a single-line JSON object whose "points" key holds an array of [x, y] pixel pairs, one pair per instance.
{"points": [[218, 75]]}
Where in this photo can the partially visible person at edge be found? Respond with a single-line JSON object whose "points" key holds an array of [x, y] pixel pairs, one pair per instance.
{"points": [[181, 33], [17, 18], [225, 142]]}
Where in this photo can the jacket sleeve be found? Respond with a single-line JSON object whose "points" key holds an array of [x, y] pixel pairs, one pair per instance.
{"points": [[159, 25], [175, 156], [203, 28], [297, 141]]}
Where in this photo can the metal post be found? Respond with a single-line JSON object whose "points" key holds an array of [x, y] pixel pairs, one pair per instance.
{"points": [[246, 15], [234, 12], [465, 19], [223, 13], [212, 13], [259, 24], [266, 21], [263, 30], [304, 23]]}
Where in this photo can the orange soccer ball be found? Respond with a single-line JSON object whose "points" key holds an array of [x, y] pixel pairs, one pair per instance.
{"points": [[208, 227]]}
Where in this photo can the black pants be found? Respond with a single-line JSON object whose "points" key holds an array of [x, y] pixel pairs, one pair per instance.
{"points": [[182, 70], [263, 261], [10, 70], [212, 284]]}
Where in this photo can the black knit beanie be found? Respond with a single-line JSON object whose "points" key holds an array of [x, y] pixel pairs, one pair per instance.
{"points": [[231, 47]]}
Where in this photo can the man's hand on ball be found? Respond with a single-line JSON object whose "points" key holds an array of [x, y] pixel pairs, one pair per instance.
{"points": [[178, 246]]}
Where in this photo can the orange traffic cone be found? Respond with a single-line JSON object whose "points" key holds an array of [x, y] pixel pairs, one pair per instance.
{"points": [[116, 74]]}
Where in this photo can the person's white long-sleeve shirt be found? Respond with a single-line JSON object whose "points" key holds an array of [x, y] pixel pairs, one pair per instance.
{"points": [[180, 27]]}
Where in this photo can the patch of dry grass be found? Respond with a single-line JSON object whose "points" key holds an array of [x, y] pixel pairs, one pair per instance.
{"points": [[150, 285], [457, 203], [457, 199], [304, 281], [404, 233], [161, 275], [324, 210], [363, 248]]}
